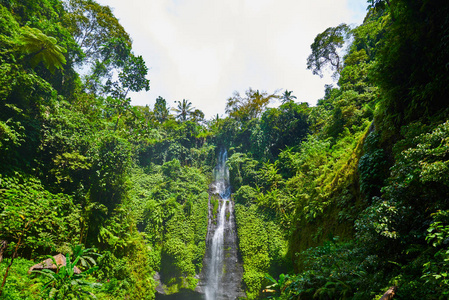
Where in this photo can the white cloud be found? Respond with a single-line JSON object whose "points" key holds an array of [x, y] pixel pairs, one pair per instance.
{"points": [[203, 50]]}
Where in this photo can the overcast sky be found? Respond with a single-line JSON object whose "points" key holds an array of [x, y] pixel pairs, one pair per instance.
{"points": [[204, 50]]}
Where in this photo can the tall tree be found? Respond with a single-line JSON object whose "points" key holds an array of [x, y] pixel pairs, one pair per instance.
{"points": [[287, 96], [114, 55], [197, 116], [160, 110], [249, 107], [285, 126], [117, 59], [93, 26], [132, 78], [183, 110], [325, 50]]}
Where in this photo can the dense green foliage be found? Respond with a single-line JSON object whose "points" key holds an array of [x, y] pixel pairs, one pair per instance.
{"points": [[81, 165], [388, 200], [337, 201]]}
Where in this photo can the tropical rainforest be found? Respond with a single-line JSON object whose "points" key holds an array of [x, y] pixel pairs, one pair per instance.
{"points": [[342, 200]]}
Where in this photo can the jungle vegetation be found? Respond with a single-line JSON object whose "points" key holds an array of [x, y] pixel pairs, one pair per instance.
{"points": [[341, 200]]}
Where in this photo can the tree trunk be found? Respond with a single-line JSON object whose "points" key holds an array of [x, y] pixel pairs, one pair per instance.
{"points": [[3, 245], [10, 264]]}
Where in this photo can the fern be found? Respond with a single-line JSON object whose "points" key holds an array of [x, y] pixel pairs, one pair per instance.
{"points": [[41, 48]]}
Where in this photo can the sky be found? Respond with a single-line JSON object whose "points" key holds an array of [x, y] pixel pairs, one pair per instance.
{"points": [[204, 50]]}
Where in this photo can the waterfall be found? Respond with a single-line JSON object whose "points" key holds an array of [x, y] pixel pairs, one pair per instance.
{"points": [[223, 268], [222, 186], [213, 286]]}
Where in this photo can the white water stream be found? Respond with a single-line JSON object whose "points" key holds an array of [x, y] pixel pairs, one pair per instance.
{"points": [[214, 287]]}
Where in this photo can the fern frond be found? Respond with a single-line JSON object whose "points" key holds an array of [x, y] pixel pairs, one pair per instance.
{"points": [[41, 48]]}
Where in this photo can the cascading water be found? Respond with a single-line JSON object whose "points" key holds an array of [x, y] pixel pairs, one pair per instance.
{"points": [[216, 264], [223, 269], [222, 186]]}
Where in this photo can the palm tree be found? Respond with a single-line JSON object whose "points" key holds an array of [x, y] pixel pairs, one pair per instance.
{"points": [[183, 110], [287, 96]]}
